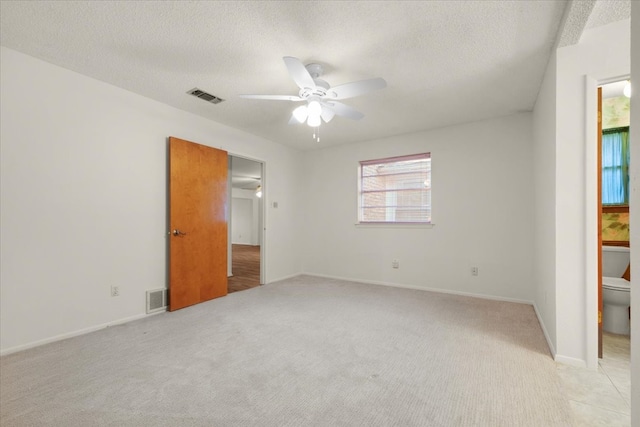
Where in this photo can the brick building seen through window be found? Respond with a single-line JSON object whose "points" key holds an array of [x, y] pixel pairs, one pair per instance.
{"points": [[395, 190]]}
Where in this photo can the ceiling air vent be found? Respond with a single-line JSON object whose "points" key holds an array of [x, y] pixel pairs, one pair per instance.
{"points": [[206, 96]]}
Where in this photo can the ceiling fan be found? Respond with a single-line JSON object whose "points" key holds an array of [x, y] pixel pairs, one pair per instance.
{"points": [[321, 100]]}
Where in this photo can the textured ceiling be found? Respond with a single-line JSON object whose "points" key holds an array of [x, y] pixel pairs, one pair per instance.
{"points": [[445, 62], [587, 14], [607, 11], [575, 20]]}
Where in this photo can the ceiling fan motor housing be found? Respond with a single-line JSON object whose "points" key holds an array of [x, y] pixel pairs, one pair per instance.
{"points": [[315, 70], [320, 90]]}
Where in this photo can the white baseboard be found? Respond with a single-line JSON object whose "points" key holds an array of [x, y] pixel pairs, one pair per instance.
{"points": [[76, 333], [4, 352], [291, 276], [558, 358], [571, 361], [422, 288], [552, 348], [565, 360]]}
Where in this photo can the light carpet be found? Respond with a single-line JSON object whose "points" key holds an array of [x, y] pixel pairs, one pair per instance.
{"points": [[302, 352]]}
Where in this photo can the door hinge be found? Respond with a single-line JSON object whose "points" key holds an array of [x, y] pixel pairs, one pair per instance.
{"points": [[599, 317]]}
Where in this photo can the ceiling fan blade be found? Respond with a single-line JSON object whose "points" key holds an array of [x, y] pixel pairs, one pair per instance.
{"points": [[350, 90], [299, 73], [273, 97], [327, 114], [343, 110]]}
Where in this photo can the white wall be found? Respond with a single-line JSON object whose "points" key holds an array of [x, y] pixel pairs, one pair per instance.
{"points": [[84, 199], [635, 214], [245, 225], [482, 210], [241, 221], [602, 53], [544, 160]]}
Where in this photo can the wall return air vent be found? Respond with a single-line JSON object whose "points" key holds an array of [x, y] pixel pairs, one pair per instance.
{"points": [[156, 300], [205, 96]]}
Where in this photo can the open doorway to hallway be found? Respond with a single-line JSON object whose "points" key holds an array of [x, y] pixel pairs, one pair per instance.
{"points": [[246, 224]]}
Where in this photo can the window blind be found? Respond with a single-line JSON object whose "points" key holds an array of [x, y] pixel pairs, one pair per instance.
{"points": [[396, 190]]}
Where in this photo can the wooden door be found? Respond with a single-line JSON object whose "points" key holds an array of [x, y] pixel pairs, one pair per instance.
{"points": [[198, 223], [599, 172]]}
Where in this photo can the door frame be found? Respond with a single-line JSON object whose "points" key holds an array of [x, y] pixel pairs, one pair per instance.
{"points": [[262, 212], [592, 251]]}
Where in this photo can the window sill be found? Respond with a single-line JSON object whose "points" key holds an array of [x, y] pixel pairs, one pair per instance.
{"points": [[393, 225], [615, 208]]}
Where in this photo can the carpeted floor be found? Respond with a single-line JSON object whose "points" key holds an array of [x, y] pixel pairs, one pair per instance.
{"points": [[301, 352]]}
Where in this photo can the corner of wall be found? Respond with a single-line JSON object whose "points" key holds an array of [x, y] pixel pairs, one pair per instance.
{"points": [[552, 347], [544, 159]]}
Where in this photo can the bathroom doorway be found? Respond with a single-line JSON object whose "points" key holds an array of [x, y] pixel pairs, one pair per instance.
{"points": [[613, 203], [246, 220]]}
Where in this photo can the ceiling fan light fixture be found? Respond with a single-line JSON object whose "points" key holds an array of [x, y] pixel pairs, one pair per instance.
{"points": [[321, 99], [313, 121], [314, 108], [627, 89], [327, 114], [301, 113]]}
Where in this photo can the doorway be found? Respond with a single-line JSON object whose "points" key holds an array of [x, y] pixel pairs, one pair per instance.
{"points": [[613, 203], [246, 224]]}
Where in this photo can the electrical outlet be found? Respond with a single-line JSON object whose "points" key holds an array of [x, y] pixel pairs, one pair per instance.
{"points": [[395, 263], [115, 291], [474, 271]]}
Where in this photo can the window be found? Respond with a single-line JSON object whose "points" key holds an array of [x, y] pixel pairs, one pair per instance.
{"points": [[395, 190], [615, 166]]}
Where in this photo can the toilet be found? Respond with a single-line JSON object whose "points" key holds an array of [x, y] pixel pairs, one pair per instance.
{"points": [[616, 291]]}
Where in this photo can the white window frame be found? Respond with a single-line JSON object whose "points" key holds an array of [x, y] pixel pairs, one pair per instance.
{"points": [[392, 222]]}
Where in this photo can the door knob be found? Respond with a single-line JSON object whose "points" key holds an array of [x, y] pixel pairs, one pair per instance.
{"points": [[177, 232]]}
